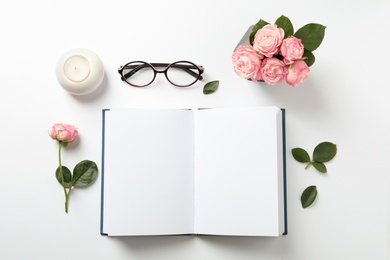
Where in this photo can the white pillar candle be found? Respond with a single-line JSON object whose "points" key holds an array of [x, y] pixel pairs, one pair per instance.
{"points": [[80, 71]]}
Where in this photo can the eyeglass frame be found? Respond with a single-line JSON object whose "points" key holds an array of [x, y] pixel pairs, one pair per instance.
{"points": [[167, 65]]}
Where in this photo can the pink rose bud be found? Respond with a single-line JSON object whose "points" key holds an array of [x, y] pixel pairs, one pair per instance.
{"points": [[298, 72], [268, 39], [291, 49], [63, 132], [247, 63], [273, 70]]}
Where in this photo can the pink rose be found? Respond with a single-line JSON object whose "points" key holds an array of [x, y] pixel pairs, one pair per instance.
{"points": [[291, 49], [273, 71], [247, 63], [268, 39], [63, 132], [298, 72]]}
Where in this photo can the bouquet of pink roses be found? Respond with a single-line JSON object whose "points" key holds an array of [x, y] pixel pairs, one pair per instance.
{"points": [[276, 54]]}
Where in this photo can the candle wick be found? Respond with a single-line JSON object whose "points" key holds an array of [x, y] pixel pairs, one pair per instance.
{"points": [[74, 68]]}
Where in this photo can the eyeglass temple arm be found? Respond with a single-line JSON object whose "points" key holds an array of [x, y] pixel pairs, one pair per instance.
{"points": [[136, 68]]}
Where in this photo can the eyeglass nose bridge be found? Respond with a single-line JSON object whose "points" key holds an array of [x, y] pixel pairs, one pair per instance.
{"points": [[163, 71], [156, 71], [160, 71]]}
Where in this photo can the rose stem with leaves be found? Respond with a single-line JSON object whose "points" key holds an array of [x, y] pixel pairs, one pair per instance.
{"points": [[62, 176]]}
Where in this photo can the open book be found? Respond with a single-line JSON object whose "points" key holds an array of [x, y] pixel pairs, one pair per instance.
{"points": [[218, 171]]}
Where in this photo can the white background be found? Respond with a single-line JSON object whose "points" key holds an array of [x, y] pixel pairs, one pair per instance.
{"points": [[345, 100]]}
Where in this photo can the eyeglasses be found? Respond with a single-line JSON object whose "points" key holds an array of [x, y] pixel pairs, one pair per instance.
{"points": [[142, 74]]}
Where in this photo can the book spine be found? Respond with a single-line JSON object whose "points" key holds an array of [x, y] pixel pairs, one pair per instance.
{"points": [[284, 170], [102, 174]]}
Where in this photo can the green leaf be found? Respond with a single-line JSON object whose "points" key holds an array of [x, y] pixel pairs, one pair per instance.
{"points": [[210, 87], [319, 166], [300, 155], [285, 23], [312, 35], [324, 152], [67, 177], [260, 24], [309, 196], [308, 57], [84, 173]]}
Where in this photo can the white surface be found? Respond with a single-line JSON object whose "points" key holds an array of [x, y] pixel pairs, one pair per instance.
{"points": [[345, 100]]}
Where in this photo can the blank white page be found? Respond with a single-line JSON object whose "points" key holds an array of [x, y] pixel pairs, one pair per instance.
{"points": [[148, 173], [238, 170]]}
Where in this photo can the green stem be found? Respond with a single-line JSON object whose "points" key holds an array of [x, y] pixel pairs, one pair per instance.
{"points": [[62, 178], [308, 164]]}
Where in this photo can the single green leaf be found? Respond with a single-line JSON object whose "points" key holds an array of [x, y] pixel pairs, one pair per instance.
{"points": [[285, 23], [260, 24], [210, 87], [300, 155], [84, 173], [312, 35], [319, 166], [67, 177], [309, 196], [324, 152], [308, 57]]}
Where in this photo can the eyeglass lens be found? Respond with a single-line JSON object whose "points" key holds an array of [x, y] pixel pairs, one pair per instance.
{"points": [[142, 74], [138, 74]]}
